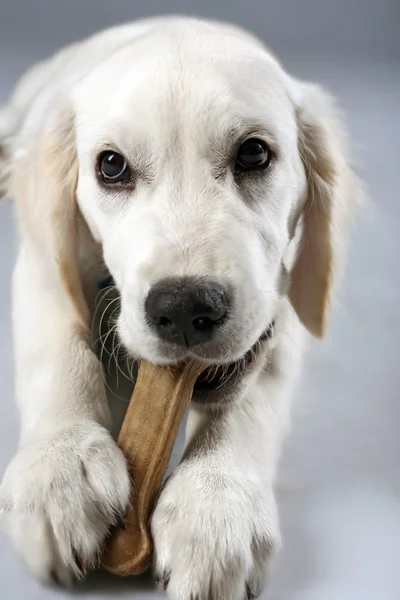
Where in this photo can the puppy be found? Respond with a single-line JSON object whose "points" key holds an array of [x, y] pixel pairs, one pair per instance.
{"points": [[178, 156]]}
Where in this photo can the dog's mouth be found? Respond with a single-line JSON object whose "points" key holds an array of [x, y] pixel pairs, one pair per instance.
{"points": [[216, 382]]}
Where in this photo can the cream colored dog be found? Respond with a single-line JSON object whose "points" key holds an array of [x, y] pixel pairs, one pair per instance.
{"points": [[178, 156]]}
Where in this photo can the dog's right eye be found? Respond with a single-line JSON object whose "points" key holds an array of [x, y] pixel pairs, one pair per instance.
{"points": [[113, 167], [253, 155]]}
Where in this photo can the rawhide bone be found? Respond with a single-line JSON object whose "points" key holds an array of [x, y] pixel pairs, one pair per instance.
{"points": [[147, 438]]}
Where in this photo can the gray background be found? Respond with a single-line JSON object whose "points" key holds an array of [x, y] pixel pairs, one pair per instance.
{"points": [[340, 483]]}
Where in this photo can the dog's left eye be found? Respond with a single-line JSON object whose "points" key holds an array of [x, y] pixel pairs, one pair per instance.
{"points": [[253, 154], [113, 167]]}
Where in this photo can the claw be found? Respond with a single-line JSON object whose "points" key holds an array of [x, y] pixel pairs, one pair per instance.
{"points": [[119, 518], [249, 593], [55, 578], [166, 578], [78, 561]]}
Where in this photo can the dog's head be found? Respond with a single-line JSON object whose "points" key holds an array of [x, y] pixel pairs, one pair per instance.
{"points": [[194, 159]]}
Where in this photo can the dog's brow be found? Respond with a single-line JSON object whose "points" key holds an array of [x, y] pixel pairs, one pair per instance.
{"points": [[244, 126]]}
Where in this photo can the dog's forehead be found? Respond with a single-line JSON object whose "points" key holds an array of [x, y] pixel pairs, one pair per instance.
{"points": [[153, 87]]}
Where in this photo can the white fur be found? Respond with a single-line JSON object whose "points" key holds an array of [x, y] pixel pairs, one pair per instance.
{"points": [[167, 94]]}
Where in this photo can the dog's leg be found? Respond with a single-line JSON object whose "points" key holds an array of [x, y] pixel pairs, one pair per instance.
{"points": [[215, 525], [68, 481]]}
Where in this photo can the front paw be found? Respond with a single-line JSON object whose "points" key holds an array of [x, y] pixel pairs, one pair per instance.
{"points": [[214, 536], [76, 481]]}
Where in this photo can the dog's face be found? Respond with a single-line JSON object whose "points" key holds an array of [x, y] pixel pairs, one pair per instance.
{"points": [[194, 159], [191, 178]]}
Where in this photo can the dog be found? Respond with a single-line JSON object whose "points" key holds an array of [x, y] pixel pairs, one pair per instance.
{"points": [[178, 157]]}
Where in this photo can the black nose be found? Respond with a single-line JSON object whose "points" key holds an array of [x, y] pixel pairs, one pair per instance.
{"points": [[186, 311]]}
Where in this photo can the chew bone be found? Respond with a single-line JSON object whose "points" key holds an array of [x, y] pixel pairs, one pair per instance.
{"points": [[147, 438]]}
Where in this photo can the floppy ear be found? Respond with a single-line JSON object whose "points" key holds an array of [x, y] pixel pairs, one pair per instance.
{"points": [[330, 197], [44, 183]]}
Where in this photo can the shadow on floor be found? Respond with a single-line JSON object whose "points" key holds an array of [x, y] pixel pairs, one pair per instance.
{"points": [[104, 583]]}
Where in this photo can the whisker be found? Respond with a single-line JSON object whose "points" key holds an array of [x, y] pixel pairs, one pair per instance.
{"points": [[100, 297], [104, 341], [107, 333]]}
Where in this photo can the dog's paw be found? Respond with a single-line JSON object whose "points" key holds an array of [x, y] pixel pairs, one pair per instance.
{"points": [[214, 536], [67, 490]]}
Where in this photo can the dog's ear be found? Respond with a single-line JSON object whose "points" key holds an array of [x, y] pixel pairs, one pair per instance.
{"points": [[44, 182], [330, 197]]}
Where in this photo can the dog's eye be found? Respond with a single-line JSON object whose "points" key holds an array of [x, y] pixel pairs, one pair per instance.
{"points": [[252, 154], [113, 167]]}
